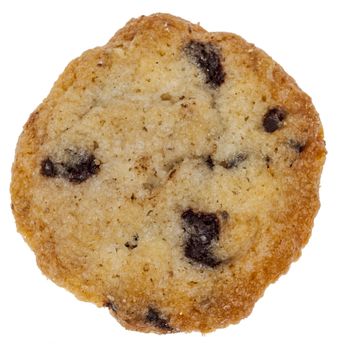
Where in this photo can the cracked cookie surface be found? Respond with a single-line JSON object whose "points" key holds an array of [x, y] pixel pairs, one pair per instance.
{"points": [[170, 176]]}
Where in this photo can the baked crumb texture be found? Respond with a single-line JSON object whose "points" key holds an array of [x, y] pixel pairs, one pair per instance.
{"points": [[170, 175]]}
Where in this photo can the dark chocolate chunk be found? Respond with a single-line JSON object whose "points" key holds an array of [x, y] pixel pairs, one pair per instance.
{"points": [[201, 229], [234, 162], [133, 243], [153, 316], [297, 146], [78, 167], [48, 168], [273, 119], [207, 57], [209, 162]]}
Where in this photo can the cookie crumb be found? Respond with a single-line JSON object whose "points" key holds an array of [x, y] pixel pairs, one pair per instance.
{"points": [[166, 97]]}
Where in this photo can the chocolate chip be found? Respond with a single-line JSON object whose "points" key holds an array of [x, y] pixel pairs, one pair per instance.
{"points": [[78, 167], [48, 168], [273, 119], [234, 162], [112, 306], [297, 146], [207, 57], [153, 316], [81, 169], [196, 251], [209, 162], [225, 215], [201, 230], [133, 243], [130, 245], [268, 161]]}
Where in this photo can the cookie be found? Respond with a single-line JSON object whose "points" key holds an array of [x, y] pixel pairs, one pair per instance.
{"points": [[170, 176]]}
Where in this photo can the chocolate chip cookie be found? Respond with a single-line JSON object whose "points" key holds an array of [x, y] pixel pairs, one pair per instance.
{"points": [[170, 176]]}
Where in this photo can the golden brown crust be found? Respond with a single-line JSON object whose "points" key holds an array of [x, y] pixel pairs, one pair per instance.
{"points": [[140, 88]]}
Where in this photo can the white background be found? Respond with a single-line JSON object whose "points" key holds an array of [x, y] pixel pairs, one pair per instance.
{"points": [[310, 307]]}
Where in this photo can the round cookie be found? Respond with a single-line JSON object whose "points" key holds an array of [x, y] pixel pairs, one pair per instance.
{"points": [[170, 175]]}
